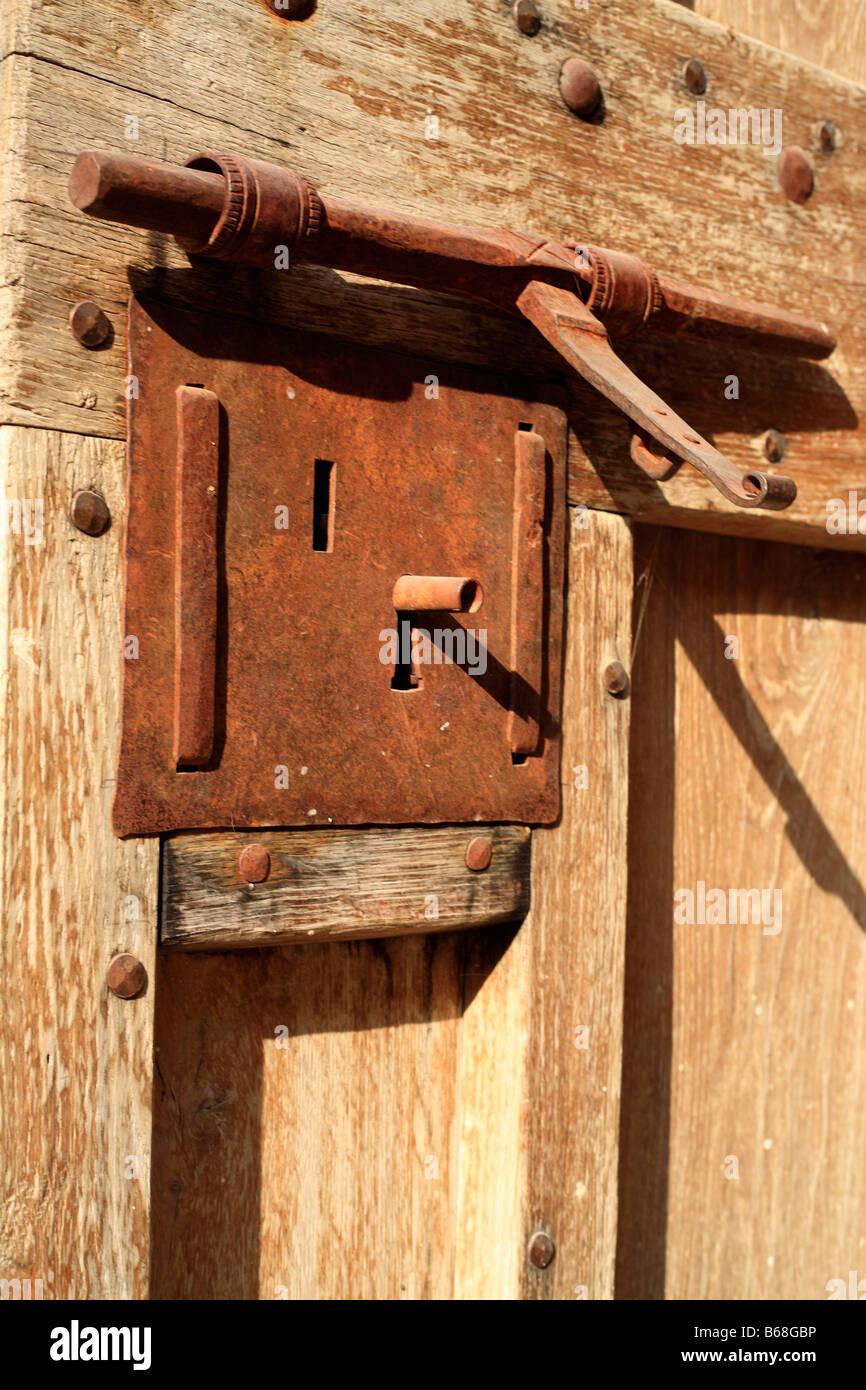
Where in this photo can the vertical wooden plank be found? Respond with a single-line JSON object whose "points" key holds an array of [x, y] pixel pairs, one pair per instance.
{"points": [[491, 1206], [744, 1086], [541, 1041], [831, 33], [75, 1086], [305, 1114]]}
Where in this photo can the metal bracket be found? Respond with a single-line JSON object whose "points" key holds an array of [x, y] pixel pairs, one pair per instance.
{"points": [[345, 581]]}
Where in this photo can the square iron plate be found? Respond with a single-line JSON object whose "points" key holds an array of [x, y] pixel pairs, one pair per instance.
{"points": [[308, 730]]}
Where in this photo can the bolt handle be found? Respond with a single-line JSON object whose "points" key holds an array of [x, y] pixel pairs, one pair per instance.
{"points": [[237, 209]]}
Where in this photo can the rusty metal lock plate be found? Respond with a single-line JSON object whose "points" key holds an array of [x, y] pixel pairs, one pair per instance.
{"points": [[279, 484]]}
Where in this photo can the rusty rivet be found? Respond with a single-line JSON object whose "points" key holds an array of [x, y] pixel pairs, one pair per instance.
{"points": [[540, 1250], [695, 76], [828, 136], [479, 853], [774, 444], [616, 681], [526, 16], [290, 9], [796, 175], [89, 324], [580, 88], [254, 864], [89, 512], [126, 976]]}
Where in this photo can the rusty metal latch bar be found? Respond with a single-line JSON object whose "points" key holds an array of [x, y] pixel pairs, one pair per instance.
{"points": [[237, 209]]}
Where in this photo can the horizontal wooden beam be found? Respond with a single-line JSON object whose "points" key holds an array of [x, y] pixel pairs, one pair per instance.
{"points": [[488, 141], [332, 885]]}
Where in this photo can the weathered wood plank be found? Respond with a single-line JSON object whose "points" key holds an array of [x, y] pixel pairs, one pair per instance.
{"points": [[305, 1121], [341, 90], [328, 885], [831, 33], [75, 1086], [541, 1036], [744, 1121]]}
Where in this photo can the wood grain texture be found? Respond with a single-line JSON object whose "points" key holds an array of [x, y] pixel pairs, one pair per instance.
{"points": [[741, 1042], [541, 1042], [305, 1121], [75, 1085], [333, 885], [393, 1119], [830, 33], [339, 96]]}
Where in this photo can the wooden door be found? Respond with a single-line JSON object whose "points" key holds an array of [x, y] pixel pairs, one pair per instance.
{"points": [[397, 1118]]}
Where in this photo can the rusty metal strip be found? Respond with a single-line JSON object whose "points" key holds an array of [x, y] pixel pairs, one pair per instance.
{"points": [[195, 577], [527, 592]]}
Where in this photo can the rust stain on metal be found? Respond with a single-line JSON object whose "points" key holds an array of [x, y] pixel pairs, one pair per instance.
{"points": [[580, 87], [307, 728], [479, 853], [195, 576], [126, 976], [775, 446], [616, 680], [89, 512], [417, 593], [540, 1250], [254, 864], [695, 77], [796, 174], [829, 136], [90, 324], [526, 16], [238, 209]]}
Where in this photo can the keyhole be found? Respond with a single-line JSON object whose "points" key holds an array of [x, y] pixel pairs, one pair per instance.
{"points": [[406, 677], [324, 489]]}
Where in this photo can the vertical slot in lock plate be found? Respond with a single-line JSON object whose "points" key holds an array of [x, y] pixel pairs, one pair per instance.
{"points": [[285, 492]]}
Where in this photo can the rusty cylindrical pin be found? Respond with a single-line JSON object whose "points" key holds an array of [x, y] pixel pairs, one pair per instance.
{"points": [[427, 593], [616, 681], [796, 174], [774, 445], [479, 853], [126, 976], [526, 16], [829, 136], [254, 864], [89, 324], [695, 77], [580, 87], [89, 512], [540, 1250]]}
